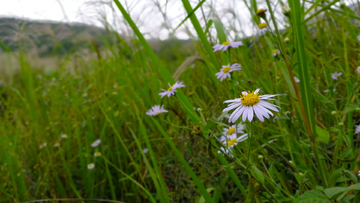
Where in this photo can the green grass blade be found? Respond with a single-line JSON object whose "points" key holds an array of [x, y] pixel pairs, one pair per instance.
{"points": [[188, 169]]}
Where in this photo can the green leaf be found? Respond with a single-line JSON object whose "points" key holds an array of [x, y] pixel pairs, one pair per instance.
{"points": [[312, 196], [258, 174], [334, 192], [340, 192], [322, 135]]}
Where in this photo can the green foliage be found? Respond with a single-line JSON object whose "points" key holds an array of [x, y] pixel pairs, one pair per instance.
{"points": [[306, 152]]}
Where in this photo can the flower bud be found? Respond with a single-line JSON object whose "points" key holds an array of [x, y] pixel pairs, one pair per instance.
{"points": [[333, 112], [286, 10]]}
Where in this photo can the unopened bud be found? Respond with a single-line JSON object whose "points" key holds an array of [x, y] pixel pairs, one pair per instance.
{"points": [[333, 112], [341, 124], [260, 157], [301, 174], [342, 4], [199, 109], [286, 10]]}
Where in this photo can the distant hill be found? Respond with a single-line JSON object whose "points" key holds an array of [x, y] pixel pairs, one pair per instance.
{"points": [[50, 38]]}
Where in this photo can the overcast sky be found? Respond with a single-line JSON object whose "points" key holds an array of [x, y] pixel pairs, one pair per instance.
{"points": [[147, 16]]}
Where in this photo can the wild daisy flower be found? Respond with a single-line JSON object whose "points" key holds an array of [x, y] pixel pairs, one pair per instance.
{"points": [[275, 52], [250, 103], [91, 166], [155, 110], [232, 140], [226, 70], [63, 136], [42, 145], [225, 150], [172, 89], [263, 28], [225, 45], [96, 143], [146, 150], [233, 129], [57, 144], [296, 79], [358, 70], [336, 75], [97, 154], [357, 129]]}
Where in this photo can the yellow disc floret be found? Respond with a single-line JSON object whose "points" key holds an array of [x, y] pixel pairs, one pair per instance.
{"points": [[275, 51], [260, 11], [232, 142], [250, 99], [263, 25], [226, 43], [226, 69], [170, 88], [231, 131]]}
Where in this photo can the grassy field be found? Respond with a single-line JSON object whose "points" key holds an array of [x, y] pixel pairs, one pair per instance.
{"points": [[75, 128]]}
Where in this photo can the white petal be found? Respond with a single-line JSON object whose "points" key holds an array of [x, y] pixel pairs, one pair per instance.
{"points": [[236, 114], [269, 105], [250, 114], [246, 111], [257, 90], [233, 100], [258, 113], [230, 107]]}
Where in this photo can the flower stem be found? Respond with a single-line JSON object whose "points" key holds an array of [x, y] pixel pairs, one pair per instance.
{"points": [[248, 154]]}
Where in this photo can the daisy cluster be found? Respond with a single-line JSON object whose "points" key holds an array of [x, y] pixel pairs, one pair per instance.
{"points": [[250, 105], [95, 144], [157, 109], [247, 108]]}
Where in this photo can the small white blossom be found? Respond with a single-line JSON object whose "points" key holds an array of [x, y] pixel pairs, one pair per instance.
{"points": [[146, 150], [263, 29], [224, 46], [172, 89], [336, 75], [358, 70], [296, 79], [357, 129], [155, 110], [96, 143], [97, 154], [275, 52], [91, 166], [42, 145], [57, 144], [63, 136], [226, 70], [286, 9]]}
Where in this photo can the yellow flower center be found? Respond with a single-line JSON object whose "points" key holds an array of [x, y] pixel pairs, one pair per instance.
{"points": [[250, 99], [231, 131], [263, 25], [226, 69], [170, 88], [260, 11], [275, 51], [232, 142], [226, 43]]}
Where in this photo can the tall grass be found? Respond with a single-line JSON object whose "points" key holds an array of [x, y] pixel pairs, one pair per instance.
{"points": [[307, 152]]}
